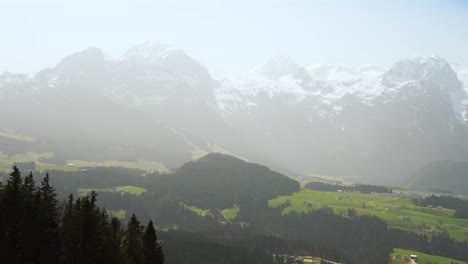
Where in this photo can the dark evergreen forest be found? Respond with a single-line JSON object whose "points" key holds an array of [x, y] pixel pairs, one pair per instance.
{"points": [[36, 228]]}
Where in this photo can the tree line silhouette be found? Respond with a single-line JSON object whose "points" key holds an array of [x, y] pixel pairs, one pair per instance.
{"points": [[36, 228]]}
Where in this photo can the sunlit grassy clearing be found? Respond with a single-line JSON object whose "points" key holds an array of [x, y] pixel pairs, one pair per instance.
{"points": [[75, 165], [47, 167], [230, 213], [18, 137], [197, 210], [168, 228], [6, 162], [397, 212], [121, 214], [132, 190], [31, 156], [423, 258], [140, 165]]}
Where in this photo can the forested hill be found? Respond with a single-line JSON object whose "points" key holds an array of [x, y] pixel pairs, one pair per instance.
{"points": [[220, 181]]}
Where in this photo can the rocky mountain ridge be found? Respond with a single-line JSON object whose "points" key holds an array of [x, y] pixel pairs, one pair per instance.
{"points": [[367, 121]]}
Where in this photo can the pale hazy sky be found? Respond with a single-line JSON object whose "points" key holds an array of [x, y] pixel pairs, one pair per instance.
{"points": [[235, 35]]}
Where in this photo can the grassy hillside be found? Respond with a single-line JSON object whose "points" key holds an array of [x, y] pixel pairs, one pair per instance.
{"points": [[44, 162], [397, 212], [423, 258], [230, 213], [132, 190]]}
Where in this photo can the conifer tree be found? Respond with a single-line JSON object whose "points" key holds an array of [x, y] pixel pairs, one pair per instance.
{"points": [[13, 212], [152, 250], [30, 233], [116, 236], [49, 202], [133, 241], [68, 247], [32, 230], [48, 220], [2, 223]]}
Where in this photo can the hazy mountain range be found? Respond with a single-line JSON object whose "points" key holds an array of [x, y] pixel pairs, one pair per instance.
{"points": [[157, 103]]}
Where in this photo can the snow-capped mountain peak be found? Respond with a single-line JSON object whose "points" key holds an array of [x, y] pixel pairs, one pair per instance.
{"points": [[414, 111], [150, 51], [433, 69], [81, 60], [278, 67], [164, 58]]}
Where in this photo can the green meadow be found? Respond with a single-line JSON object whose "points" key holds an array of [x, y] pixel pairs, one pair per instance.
{"points": [[197, 210], [43, 164], [7, 161], [423, 258], [230, 213], [146, 166], [397, 212], [132, 190], [121, 214]]}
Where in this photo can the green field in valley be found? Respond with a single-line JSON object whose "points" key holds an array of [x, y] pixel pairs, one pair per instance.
{"points": [[197, 210], [397, 257], [43, 163], [132, 190], [6, 161], [146, 166], [397, 212], [120, 214], [230, 213]]}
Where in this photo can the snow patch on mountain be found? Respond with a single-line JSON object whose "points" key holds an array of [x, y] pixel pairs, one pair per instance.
{"points": [[151, 52], [240, 92], [283, 78], [155, 73], [326, 86], [459, 102], [463, 76], [278, 67], [433, 69]]}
